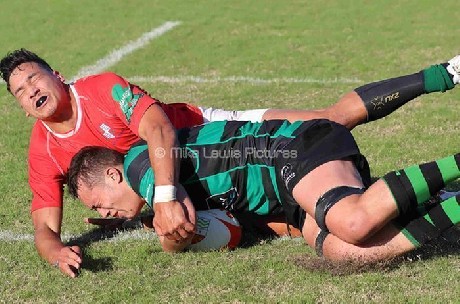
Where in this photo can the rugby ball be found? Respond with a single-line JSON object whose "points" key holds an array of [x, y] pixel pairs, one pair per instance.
{"points": [[215, 229]]}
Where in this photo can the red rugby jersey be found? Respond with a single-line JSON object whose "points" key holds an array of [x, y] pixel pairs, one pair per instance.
{"points": [[109, 112]]}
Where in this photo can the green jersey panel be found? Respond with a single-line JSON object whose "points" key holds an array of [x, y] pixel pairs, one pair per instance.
{"points": [[222, 164]]}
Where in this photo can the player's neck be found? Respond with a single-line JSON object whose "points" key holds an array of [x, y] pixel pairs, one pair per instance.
{"points": [[65, 118]]}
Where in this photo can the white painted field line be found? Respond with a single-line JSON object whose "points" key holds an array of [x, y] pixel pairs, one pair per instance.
{"points": [[239, 79], [127, 235], [137, 234], [6, 235], [116, 55]]}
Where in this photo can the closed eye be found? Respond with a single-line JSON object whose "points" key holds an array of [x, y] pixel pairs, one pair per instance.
{"points": [[19, 92], [34, 78], [30, 79]]}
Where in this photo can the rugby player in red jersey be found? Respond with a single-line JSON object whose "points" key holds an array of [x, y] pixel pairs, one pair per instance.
{"points": [[106, 110]]}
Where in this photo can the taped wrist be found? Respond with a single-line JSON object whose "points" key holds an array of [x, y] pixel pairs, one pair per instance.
{"points": [[165, 193]]}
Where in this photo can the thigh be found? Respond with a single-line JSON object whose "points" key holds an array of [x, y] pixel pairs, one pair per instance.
{"points": [[310, 230], [329, 175]]}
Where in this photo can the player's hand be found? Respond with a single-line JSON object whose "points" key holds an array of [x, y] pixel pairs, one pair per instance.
{"points": [[106, 223], [69, 260], [172, 221]]}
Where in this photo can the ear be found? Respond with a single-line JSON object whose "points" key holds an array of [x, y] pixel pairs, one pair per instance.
{"points": [[59, 76], [113, 175]]}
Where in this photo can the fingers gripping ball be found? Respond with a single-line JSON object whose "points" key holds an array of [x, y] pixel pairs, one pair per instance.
{"points": [[215, 229]]}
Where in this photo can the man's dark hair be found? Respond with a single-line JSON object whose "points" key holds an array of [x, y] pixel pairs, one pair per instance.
{"points": [[88, 167], [15, 58]]}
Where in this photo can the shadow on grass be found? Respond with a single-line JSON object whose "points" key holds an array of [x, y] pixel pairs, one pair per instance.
{"points": [[96, 235], [445, 246], [83, 241]]}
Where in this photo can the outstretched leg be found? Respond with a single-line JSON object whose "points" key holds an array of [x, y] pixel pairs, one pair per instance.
{"points": [[379, 99]]}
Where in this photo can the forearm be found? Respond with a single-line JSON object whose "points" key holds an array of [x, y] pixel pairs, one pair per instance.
{"points": [[170, 217], [47, 225], [162, 142], [48, 244]]}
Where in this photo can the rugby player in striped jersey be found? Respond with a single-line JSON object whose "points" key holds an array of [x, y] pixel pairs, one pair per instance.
{"points": [[311, 172]]}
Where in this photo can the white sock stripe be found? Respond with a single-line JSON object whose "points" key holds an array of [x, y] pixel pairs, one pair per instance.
{"points": [[116, 55]]}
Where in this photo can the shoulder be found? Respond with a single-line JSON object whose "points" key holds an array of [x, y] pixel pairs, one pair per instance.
{"points": [[108, 78]]}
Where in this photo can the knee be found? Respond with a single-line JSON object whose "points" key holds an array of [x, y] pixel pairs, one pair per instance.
{"points": [[348, 222], [354, 229], [348, 111]]}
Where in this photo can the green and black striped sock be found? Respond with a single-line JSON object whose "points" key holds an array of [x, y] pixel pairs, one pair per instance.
{"points": [[435, 221], [414, 185]]}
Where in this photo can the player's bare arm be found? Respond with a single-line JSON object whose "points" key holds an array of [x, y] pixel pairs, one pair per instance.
{"points": [[170, 219], [169, 245], [47, 224]]}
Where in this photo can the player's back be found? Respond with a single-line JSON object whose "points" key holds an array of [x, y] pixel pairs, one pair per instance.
{"points": [[223, 164]]}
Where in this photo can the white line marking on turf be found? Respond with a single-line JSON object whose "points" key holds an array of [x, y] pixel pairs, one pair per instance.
{"points": [[13, 236], [241, 79], [237, 79], [137, 234], [116, 55], [128, 235]]}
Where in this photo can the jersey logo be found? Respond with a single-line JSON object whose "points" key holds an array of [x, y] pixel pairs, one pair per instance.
{"points": [[225, 199], [126, 99], [286, 174], [106, 130]]}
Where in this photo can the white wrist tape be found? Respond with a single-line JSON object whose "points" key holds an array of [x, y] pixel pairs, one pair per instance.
{"points": [[165, 193]]}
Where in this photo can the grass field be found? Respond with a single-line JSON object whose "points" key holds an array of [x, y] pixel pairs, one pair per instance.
{"points": [[238, 55]]}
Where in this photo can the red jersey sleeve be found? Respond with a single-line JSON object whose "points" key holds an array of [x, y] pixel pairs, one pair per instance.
{"points": [[127, 101], [45, 177]]}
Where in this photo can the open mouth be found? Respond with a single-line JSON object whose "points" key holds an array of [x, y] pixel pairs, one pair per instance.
{"points": [[41, 101]]}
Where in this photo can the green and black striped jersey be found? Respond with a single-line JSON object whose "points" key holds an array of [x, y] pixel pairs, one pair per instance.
{"points": [[222, 164]]}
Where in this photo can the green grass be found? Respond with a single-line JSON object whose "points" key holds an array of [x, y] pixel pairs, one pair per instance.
{"points": [[363, 40]]}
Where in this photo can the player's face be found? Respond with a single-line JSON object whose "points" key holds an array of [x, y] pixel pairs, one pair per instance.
{"points": [[40, 92], [112, 199]]}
